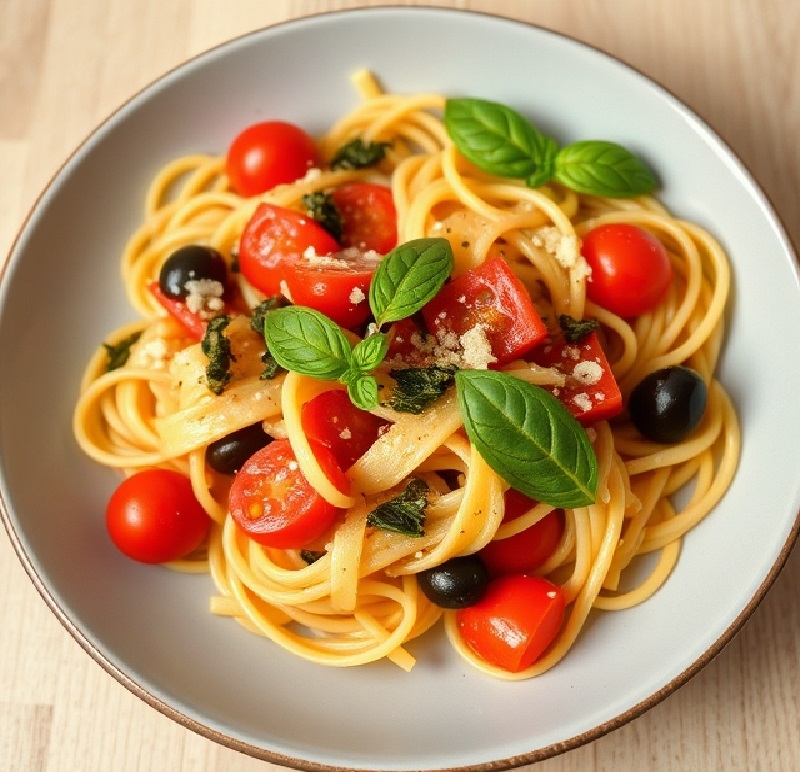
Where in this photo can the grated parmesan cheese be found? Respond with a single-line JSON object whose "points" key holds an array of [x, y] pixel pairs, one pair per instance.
{"points": [[357, 296], [204, 297], [587, 372], [583, 401]]}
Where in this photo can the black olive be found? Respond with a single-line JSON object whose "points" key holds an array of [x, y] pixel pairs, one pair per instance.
{"points": [[456, 583], [227, 455], [191, 263], [667, 405]]}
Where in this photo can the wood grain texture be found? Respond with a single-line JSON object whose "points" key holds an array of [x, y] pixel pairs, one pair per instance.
{"points": [[66, 64]]}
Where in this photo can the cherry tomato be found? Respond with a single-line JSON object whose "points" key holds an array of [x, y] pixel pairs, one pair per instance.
{"points": [[591, 392], [275, 237], [274, 504], [268, 154], [490, 295], [514, 622], [154, 517], [337, 286], [527, 550], [369, 217], [631, 271], [332, 420]]}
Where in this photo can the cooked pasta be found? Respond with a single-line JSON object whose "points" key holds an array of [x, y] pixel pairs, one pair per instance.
{"points": [[360, 600]]}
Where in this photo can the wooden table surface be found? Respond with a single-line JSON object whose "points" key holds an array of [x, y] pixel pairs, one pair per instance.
{"points": [[66, 64]]}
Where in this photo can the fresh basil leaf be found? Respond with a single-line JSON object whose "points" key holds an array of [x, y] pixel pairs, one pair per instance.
{"points": [[370, 352], [362, 389], [307, 342], [416, 388], [545, 168], [602, 168], [528, 437], [498, 139], [404, 513], [408, 277]]}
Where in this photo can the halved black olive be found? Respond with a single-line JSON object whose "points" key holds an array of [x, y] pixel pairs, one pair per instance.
{"points": [[456, 583], [667, 405], [227, 455], [191, 263]]}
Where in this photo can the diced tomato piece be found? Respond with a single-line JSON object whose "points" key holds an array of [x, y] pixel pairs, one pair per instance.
{"points": [[591, 392], [527, 550], [400, 341], [193, 323], [492, 296], [514, 622], [337, 285], [369, 217], [275, 237], [274, 504], [332, 420]]}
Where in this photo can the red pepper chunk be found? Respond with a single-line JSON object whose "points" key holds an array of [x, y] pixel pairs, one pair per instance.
{"points": [[591, 392], [331, 420], [192, 323], [492, 296]]}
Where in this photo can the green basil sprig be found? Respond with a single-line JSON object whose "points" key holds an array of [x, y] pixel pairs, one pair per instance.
{"points": [[408, 277], [528, 437], [308, 342], [500, 141]]}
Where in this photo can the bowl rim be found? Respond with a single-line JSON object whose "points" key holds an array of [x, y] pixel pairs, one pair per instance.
{"points": [[276, 757]]}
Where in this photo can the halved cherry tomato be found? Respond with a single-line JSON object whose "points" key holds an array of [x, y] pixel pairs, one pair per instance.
{"points": [[591, 392], [527, 550], [337, 286], [154, 516], [514, 622], [631, 270], [332, 420], [274, 504], [267, 154], [490, 295], [369, 217], [273, 238], [193, 323]]}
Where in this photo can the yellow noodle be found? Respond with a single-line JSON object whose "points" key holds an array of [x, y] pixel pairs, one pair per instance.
{"points": [[360, 600]]}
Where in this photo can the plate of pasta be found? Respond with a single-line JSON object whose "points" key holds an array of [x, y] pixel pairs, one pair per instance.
{"points": [[397, 416]]}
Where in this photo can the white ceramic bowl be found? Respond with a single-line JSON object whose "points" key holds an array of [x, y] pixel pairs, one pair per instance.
{"points": [[150, 628]]}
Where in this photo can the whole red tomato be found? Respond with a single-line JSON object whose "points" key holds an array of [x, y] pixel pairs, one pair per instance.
{"points": [[153, 516], [631, 270], [267, 154]]}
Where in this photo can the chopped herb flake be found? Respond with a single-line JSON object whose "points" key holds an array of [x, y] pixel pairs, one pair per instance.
{"points": [[405, 513], [311, 556], [416, 388], [576, 329], [216, 346], [259, 313], [358, 154], [119, 352], [320, 207]]}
